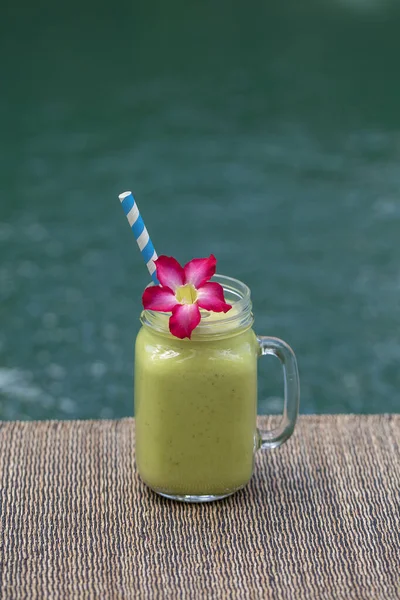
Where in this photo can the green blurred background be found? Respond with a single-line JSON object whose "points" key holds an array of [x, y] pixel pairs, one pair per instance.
{"points": [[265, 132]]}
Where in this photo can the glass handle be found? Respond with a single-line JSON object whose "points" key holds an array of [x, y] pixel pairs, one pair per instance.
{"points": [[276, 347]]}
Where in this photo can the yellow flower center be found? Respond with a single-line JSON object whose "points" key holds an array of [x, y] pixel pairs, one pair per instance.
{"points": [[186, 294]]}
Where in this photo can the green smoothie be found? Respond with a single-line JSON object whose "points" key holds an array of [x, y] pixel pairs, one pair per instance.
{"points": [[195, 409]]}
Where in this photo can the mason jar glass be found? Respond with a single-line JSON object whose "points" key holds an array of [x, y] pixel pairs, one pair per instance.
{"points": [[196, 401]]}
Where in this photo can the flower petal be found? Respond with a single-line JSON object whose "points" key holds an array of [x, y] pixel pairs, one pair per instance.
{"points": [[185, 318], [169, 272], [159, 298], [200, 270], [211, 297]]}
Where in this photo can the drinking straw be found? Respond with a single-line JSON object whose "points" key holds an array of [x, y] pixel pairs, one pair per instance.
{"points": [[140, 232]]}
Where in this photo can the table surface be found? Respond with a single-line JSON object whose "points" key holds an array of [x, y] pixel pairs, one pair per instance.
{"points": [[319, 519]]}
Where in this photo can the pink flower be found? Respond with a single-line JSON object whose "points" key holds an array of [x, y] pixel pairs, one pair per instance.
{"points": [[184, 290]]}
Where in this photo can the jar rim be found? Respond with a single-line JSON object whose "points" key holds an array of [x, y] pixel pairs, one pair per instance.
{"points": [[235, 291]]}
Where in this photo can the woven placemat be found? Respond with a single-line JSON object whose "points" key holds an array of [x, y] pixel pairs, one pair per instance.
{"points": [[320, 518]]}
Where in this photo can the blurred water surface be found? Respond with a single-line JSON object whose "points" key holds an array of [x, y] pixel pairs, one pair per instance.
{"points": [[267, 133]]}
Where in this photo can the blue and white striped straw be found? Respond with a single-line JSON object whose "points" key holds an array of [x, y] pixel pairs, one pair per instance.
{"points": [[140, 232]]}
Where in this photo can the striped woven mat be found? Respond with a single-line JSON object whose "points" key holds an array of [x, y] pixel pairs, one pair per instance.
{"points": [[320, 518]]}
